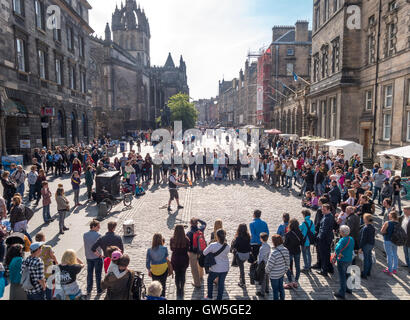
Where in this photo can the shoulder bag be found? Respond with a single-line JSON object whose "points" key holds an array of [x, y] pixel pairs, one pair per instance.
{"points": [[334, 256]]}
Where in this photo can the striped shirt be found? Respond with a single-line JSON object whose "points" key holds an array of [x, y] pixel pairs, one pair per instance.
{"points": [[278, 262]]}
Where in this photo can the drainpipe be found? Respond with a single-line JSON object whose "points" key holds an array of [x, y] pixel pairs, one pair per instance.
{"points": [[376, 81]]}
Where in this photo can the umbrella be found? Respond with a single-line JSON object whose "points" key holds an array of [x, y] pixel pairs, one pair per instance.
{"points": [[273, 131], [15, 237]]}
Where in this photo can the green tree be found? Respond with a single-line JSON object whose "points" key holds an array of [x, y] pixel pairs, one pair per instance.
{"points": [[183, 110]]}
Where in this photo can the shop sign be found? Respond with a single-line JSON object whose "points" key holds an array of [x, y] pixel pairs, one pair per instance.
{"points": [[24, 144], [47, 112]]}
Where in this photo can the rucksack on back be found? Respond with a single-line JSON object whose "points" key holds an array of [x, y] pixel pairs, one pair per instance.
{"points": [[198, 241], [25, 279], [138, 288], [309, 235], [399, 236]]}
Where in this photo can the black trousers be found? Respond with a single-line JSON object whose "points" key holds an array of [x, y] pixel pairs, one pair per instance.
{"points": [[324, 251], [180, 276], [163, 279]]}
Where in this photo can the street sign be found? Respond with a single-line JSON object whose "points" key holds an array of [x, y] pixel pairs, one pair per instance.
{"points": [[47, 112]]}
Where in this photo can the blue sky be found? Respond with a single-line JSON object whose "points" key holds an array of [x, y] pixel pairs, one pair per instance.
{"points": [[214, 36]]}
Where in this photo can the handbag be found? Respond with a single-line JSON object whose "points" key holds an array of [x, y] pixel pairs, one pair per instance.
{"points": [[170, 268], [334, 256], [209, 259], [235, 259], [260, 271]]}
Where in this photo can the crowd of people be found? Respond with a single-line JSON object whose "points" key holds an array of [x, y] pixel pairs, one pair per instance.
{"points": [[340, 193]]}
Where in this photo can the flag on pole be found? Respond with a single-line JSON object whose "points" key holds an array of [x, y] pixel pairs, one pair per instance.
{"points": [[295, 76]]}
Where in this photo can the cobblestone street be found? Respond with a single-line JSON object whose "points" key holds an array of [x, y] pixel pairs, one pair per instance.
{"points": [[234, 204]]}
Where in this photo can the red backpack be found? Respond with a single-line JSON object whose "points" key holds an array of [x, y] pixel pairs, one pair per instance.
{"points": [[198, 241]]}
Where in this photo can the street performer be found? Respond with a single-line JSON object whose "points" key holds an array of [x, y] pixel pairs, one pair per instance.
{"points": [[173, 183]]}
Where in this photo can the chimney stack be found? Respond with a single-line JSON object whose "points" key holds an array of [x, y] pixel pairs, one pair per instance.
{"points": [[302, 31]]}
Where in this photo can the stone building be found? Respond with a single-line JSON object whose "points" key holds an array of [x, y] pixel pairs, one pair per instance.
{"points": [[45, 99], [361, 73], [129, 93], [290, 53], [207, 109]]}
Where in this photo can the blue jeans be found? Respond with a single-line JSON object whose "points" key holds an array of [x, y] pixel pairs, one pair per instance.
{"points": [[392, 258], [289, 181], [407, 255], [342, 269], [289, 273], [92, 264], [46, 213], [20, 189], [49, 294], [31, 192], [377, 194], [36, 296], [398, 199], [307, 257], [367, 259], [221, 284], [318, 189], [277, 288]]}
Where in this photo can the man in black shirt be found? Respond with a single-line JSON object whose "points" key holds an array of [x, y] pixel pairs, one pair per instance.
{"points": [[173, 183]]}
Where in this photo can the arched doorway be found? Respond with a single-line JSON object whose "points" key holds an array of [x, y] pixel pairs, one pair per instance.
{"points": [[74, 128]]}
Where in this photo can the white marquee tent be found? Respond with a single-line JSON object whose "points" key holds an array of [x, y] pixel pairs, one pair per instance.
{"points": [[349, 148]]}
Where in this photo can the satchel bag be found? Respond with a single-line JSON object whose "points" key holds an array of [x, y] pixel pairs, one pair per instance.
{"points": [[209, 259], [334, 256], [170, 268]]}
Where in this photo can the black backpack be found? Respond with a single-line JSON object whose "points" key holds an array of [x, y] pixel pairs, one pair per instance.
{"points": [[399, 236], [138, 290], [309, 235]]}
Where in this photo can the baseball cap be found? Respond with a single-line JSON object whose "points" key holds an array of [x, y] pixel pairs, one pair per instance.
{"points": [[35, 246], [116, 255]]}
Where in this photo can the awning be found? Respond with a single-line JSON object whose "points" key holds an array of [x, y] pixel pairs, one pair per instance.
{"points": [[13, 107], [403, 152]]}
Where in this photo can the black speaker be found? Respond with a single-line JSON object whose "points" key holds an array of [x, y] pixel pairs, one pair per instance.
{"points": [[110, 181]]}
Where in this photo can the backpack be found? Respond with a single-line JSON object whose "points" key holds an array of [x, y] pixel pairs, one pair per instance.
{"points": [[399, 236], [198, 241], [26, 279], [309, 235], [137, 290], [28, 213]]}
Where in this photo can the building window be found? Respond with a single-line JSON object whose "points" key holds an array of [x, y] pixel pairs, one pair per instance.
{"points": [[326, 10], [317, 18], [291, 52], [333, 118], [386, 127], [408, 126], [18, 7], [316, 67], [39, 10], [70, 39], [388, 96], [408, 92], [371, 20], [392, 5], [391, 39], [289, 69], [56, 32], [313, 108], [335, 55], [85, 126], [335, 5], [81, 46], [72, 77], [83, 82], [59, 78], [41, 64], [369, 100], [21, 54], [80, 10], [371, 48], [325, 54], [61, 126]]}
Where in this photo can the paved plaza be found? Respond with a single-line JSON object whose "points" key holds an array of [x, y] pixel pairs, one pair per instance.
{"points": [[234, 203]]}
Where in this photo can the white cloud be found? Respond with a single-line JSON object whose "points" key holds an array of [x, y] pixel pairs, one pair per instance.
{"points": [[213, 36]]}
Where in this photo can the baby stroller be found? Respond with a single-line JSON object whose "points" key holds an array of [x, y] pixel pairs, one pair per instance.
{"points": [[18, 238]]}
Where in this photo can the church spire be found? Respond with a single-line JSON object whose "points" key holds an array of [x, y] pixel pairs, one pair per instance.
{"points": [[170, 62], [107, 33]]}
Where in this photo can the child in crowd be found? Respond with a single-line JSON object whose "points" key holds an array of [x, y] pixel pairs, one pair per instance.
{"points": [[125, 186], [113, 267], [32, 179], [139, 191], [307, 202], [315, 201], [46, 194], [75, 182], [283, 228], [133, 181], [218, 176], [107, 260]]}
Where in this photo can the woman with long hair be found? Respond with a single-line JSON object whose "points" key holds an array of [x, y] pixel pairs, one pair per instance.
{"points": [[157, 261], [62, 208], [69, 268], [180, 261], [217, 226], [13, 262], [293, 242], [241, 247]]}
